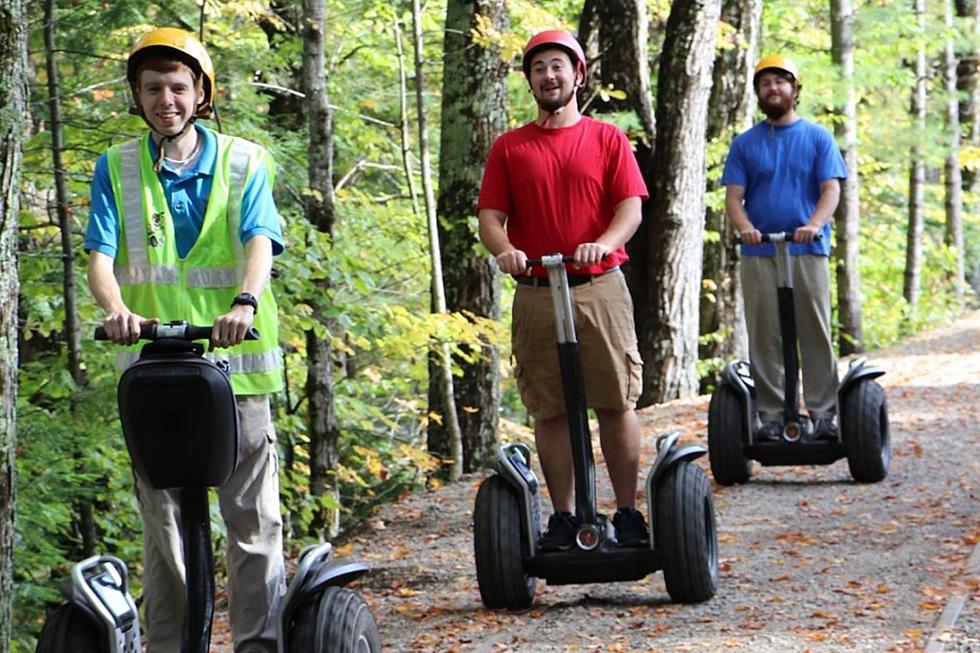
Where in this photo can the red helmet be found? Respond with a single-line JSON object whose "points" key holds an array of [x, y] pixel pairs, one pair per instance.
{"points": [[554, 38]]}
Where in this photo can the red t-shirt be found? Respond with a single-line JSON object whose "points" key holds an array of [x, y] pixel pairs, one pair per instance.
{"points": [[560, 187]]}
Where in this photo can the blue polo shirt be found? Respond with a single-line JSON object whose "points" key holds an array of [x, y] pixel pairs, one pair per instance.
{"points": [[187, 197], [781, 168]]}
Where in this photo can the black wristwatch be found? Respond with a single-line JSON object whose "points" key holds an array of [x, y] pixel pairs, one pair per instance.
{"points": [[246, 299]]}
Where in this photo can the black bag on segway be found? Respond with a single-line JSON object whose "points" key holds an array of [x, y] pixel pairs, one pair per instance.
{"points": [[179, 416], [69, 629]]}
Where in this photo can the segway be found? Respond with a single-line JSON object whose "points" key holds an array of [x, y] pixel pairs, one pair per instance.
{"points": [[180, 422], [507, 515], [734, 424]]}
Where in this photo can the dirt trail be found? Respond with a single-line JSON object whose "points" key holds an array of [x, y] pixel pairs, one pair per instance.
{"points": [[810, 560]]}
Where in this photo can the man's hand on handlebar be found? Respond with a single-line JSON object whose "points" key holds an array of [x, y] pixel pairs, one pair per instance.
{"points": [[590, 254], [230, 329], [123, 327], [513, 261], [806, 234], [750, 237]]}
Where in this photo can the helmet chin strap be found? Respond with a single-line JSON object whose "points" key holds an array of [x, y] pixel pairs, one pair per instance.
{"points": [[556, 112], [158, 164]]}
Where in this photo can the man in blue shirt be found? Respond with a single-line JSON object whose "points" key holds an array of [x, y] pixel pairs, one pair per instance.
{"points": [[784, 174], [182, 214]]}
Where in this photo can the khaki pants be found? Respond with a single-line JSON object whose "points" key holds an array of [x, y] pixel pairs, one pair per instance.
{"points": [[612, 369], [811, 297], [249, 504]]}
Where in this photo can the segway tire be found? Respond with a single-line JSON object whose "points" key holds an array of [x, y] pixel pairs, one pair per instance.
{"points": [[727, 437], [685, 534], [345, 623], [336, 621], [497, 544], [70, 630], [864, 423]]}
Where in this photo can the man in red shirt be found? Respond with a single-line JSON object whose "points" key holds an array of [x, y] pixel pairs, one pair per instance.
{"points": [[566, 183]]}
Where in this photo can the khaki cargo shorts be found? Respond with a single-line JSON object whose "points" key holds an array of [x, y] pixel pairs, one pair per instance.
{"points": [[611, 363]]}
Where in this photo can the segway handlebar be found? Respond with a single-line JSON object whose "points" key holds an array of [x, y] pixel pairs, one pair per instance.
{"points": [[549, 259], [176, 331], [777, 237]]}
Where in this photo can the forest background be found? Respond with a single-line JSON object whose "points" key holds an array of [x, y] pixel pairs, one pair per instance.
{"points": [[379, 116]]}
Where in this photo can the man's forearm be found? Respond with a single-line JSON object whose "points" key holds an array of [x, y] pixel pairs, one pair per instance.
{"points": [[258, 265]]}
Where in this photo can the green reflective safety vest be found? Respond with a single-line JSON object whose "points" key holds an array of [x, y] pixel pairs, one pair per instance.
{"points": [[156, 282]]}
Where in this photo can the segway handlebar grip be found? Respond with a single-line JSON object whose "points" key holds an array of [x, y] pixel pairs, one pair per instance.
{"points": [[776, 237], [179, 331]]}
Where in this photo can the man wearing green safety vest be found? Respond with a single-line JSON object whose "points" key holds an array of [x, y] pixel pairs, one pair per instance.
{"points": [[183, 227]]}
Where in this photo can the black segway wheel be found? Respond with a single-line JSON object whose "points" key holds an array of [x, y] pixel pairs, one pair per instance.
{"points": [[864, 423], [340, 622], [727, 436], [70, 630], [684, 532], [497, 544]]}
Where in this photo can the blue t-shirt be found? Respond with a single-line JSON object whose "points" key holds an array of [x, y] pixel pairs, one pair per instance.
{"points": [[187, 197], [781, 168]]}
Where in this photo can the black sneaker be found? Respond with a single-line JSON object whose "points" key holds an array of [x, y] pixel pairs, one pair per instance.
{"points": [[824, 429], [631, 529], [560, 535], [769, 432]]}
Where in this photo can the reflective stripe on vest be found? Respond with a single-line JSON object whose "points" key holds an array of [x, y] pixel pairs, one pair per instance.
{"points": [[139, 271], [237, 363]]}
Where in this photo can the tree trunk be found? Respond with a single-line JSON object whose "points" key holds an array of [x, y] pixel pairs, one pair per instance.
{"points": [[667, 323], [474, 102], [968, 85], [13, 121], [84, 511], [848, 214], [324, 433], [623, 61], [444, 376], [917, 170], [952, 178], [730, 110]]}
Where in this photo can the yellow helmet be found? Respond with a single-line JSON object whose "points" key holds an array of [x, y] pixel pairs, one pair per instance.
{"points": [[778, 62], [183, 46]]}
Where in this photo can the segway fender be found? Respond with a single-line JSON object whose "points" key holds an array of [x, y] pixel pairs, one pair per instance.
{"points": [[738, 375], [514, 465], [100, 586], [670, 454], [857, 372]]}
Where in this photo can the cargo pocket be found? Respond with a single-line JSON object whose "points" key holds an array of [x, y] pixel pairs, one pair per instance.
{"points": [[634, 385]]}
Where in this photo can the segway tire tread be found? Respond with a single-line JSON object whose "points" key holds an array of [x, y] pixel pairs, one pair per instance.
{"points": [[497, 544], [864, 422], [685, 533], [69, 630], [727, 437], [345, 623]]}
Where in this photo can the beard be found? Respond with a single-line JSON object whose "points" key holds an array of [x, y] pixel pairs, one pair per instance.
{"points": [[551, 106], [775, 107]]}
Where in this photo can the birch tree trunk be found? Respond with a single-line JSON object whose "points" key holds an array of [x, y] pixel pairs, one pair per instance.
{"points": [[324, 432], [953, 180], [917, 168], [848, 214], [445, 376], [668, 315], [13, 122], [730, 111], [474, 113]]}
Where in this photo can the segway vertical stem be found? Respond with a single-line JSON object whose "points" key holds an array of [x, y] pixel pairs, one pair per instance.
{"points": [[195, 526], [573, 385], [787, 327]]}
